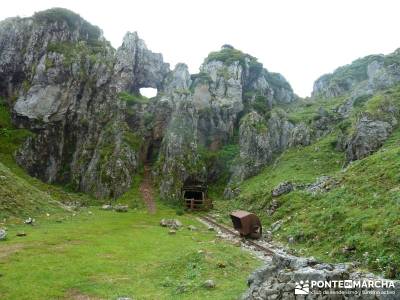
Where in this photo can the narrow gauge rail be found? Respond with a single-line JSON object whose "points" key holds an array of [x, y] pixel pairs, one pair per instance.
{"points": [[212, 221]]}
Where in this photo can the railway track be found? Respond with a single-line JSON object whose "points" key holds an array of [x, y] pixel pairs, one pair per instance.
{"points": [[210, 220]]}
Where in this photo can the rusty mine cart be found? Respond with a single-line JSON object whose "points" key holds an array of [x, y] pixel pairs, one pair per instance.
{"points": [[195, 197], [248, 224]]}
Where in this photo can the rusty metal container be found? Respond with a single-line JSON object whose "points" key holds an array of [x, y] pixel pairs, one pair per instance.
{"points": [[248, 224]]}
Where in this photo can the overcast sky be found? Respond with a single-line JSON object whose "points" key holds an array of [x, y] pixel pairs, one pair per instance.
{"points": [[301, 39]]}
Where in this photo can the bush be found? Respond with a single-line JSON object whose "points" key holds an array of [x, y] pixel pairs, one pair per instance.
{"points": [[180, 211], [260, 105], [229, 55], [132, 99]]}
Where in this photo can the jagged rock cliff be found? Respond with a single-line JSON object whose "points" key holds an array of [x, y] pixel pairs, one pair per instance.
{"points": [[363, 76], [61, 79], [206, 114], [360, 84]]}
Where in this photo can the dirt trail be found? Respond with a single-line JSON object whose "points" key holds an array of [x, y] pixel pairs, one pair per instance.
{"points": [[146, 189]]}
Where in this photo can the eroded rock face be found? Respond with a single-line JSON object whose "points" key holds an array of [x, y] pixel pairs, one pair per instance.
{"points": [[64, 82], [206, 111], [260, 139], [369, 136], [363, 76], [66, 78], [138, 67]]}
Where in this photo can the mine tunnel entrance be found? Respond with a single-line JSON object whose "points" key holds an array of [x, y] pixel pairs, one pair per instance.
{"points": [[195, 195]]}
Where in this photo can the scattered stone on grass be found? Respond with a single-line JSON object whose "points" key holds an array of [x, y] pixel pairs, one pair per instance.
{"points": [[107, 207], [192, 228], [29, 221], [171, 223], [121, 208], [282, 188], [209, 284], [276, 226], [3, 234]]}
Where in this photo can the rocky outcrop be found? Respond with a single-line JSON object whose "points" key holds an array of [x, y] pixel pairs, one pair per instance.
{"points": [[282, 188], [373, 127], [62, 80], [279, 279], [260, 139], [206, 112], [138, 67], [179, 157], [363, 76], [369, 135], [361, 84], [80, 97]]}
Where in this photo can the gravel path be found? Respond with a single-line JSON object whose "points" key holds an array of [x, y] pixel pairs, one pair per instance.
{"points": [[146, 189]]}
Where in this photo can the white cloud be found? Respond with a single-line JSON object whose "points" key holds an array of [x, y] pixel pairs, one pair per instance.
{"points": [[300, 39]]}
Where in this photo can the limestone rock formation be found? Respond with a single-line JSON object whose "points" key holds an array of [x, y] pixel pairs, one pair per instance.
{"points": [[138, 67], [206, 109], [278, 280], [369, 135], [92, 129], [260, 139], [363, 76], [62, 78]]}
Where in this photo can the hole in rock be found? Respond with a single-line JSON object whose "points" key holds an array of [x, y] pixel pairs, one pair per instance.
{"points": [[148, 92]]}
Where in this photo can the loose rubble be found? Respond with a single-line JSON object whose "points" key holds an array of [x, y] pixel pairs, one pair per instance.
{"points": [[322, 184], [171, 223], [106, 207], [282, 188], [30, 221], [209, 284], [121, 208], [3, 234]]}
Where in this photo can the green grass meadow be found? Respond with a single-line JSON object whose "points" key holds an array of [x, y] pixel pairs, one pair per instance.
{"points": [[105, 255]]}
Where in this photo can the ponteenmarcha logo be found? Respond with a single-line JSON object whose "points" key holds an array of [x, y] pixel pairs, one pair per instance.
{"points": [[339, 286], [302, 287]]}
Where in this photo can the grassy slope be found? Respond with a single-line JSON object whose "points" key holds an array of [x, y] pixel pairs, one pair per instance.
{"points": [[20, 194], [109, 254], [362, 211], [18, 197]]}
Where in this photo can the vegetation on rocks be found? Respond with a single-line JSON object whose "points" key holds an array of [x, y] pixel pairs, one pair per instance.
{"points": [[132, 99], [72, 19], [229, 55]]}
